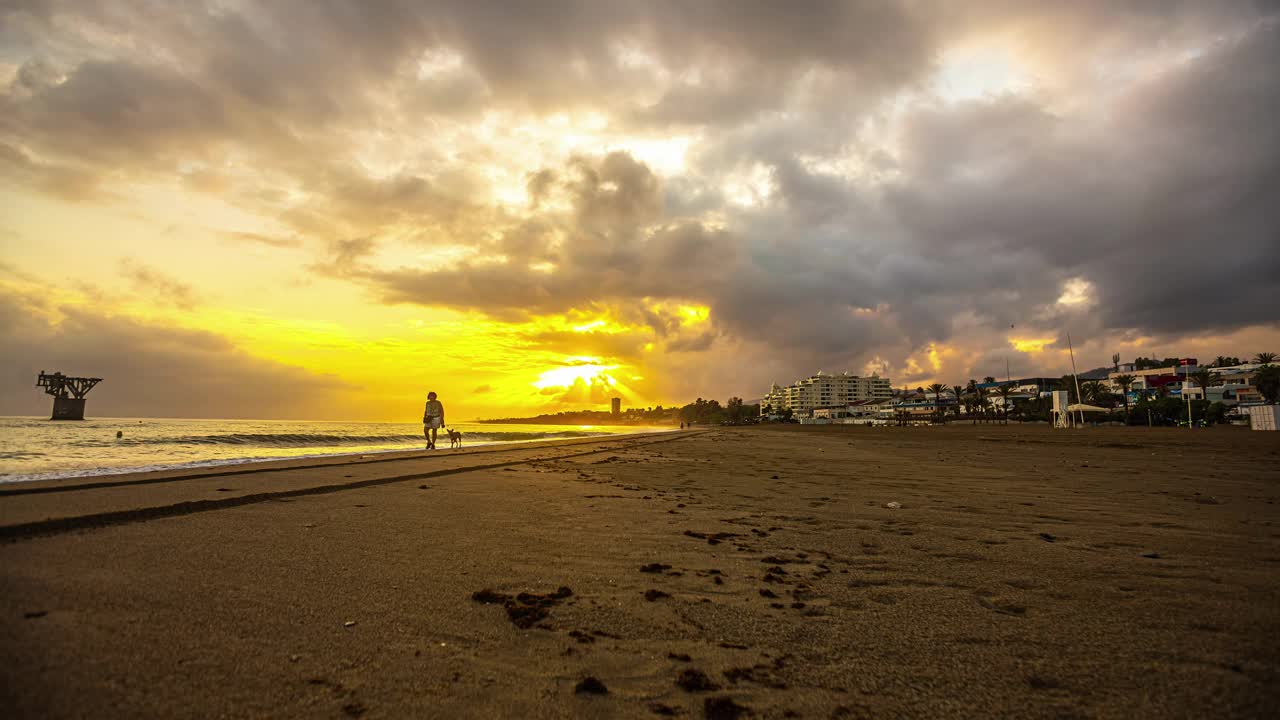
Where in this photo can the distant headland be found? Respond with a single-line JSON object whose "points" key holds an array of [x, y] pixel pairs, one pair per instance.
{"points": [[658, 416], [702, 412]]}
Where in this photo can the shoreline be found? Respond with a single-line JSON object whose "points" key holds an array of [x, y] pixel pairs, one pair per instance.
{"points": [[222, 468], [72, 474]]}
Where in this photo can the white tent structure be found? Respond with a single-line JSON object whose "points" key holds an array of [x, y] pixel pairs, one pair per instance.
{"points": [[1082, 407]]}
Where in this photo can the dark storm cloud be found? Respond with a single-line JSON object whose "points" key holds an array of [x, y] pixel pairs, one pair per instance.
{"points": [[1163, 209], [681, 261], [959, 220], [997, 203], [614, 248], [149, 370], [113, 111], [280, 76]]}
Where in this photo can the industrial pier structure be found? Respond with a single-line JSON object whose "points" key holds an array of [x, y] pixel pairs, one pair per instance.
{"points": [[68, 393]]}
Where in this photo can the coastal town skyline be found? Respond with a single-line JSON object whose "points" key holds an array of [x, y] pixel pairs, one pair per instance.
{"points": [[281, 211]]}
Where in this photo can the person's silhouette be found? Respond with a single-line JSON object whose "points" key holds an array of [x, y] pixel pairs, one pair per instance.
{"points": [[432, 420]]}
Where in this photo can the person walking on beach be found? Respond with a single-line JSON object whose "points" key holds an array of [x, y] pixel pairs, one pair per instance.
{"points": [[432, 420]]}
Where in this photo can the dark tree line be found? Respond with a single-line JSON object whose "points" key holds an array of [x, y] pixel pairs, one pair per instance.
{"points": [[711, 412]]}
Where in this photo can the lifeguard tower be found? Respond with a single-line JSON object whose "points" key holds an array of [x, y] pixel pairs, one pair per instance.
{"points": [[1061, 415]]}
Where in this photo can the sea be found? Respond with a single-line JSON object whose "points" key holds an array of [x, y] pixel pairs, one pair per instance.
{"points": [[41, 449]]}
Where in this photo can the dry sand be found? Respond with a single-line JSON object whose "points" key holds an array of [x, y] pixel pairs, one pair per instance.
{"points": [[751, 572]]}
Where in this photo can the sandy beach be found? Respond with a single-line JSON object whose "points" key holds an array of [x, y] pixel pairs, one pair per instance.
{"points": [[770, 572]]}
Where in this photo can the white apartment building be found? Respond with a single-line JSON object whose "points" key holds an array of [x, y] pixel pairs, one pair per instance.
{"points": [[825, 390]]}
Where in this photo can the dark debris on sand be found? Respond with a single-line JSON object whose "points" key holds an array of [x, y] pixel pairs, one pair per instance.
{"points": [[651, 595], [694, 680], [723, 708], [654, 568], [590, 686], [526, 609], [760, 674]]}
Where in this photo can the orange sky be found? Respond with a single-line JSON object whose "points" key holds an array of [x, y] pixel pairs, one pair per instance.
{"points": [[291, 211]]}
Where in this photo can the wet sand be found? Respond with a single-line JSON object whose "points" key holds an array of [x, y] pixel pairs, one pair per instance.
{"points": [[818, 572]]}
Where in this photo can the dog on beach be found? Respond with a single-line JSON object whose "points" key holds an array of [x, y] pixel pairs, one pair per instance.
{"points": [[455, 438]]}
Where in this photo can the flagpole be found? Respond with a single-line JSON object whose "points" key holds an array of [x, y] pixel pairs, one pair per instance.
{"points": [[1186, 380], [1008, 379], [1079, 397]]}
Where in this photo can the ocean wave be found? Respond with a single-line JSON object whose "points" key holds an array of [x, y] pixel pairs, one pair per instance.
{"points": [[320, 440], [20, 455]]}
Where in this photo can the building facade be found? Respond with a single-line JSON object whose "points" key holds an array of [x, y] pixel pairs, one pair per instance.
{"points": [[824, 390]]}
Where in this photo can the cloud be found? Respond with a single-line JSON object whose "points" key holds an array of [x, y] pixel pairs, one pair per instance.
{"points": [[596, 391], [19, 169], [148, 370], [157, 285], [607, 245], [261, 239], [800, 170]]}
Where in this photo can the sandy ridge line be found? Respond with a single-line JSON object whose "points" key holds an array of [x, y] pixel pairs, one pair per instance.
{"points": [[57, 526], [166, 476]]}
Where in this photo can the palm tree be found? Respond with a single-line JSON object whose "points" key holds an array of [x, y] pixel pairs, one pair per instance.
{"points": [[1267, 381], [1125, 382], [958, 390], [977, 402], [1095, 392], [937, 389], [1264, 358], [1004, 391], [1204, 378]]}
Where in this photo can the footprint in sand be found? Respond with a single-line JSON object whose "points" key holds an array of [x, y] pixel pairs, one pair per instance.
{"points": [[987, 600]]}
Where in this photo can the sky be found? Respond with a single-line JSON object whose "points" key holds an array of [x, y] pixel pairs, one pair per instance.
{"points": [[322, 210]]}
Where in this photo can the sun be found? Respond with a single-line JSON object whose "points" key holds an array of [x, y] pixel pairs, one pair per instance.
{"points": [[568, 374]]}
